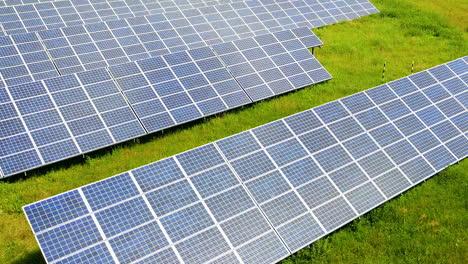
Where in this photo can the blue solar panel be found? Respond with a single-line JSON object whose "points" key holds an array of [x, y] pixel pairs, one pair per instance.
{"points": [[172, 197], [24, 59], [287, 152], [104, 193], [372, 195], [124, 216], [143, 240], [240, 198], [61, 117], [273, 64], [173, 89]]}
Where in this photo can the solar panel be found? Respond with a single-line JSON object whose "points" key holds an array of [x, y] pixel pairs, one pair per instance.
{"points": [[272, 64], [50, 120], [24, 59], [160, 92], [50, 15], [179, 87], [260, 195]]}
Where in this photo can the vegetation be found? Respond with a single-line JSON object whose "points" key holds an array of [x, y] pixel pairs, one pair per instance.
{"points": [[426, 225]]}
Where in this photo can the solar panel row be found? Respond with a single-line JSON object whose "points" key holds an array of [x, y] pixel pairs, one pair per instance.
{"points": [[260, 195], [165, 4], [86, 47], [48, 15], [53, 119], [101, 44], [43, 16]]}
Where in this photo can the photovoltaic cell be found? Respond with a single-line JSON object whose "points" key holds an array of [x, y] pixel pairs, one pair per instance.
{"points": [[247, 203]]}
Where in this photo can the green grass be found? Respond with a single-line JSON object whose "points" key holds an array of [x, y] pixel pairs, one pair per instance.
{"points": [[426, 225]]}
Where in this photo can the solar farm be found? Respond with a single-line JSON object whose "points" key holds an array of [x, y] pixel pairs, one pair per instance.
{"points": [[233, 131]]}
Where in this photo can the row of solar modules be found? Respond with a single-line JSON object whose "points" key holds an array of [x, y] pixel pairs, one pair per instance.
{"points": [[164, 4], [258, 196], [31, 57], [42, 16], [50, 120]]}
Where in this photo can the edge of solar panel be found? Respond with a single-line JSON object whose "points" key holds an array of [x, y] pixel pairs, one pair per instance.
{"points": [[309, 210]]}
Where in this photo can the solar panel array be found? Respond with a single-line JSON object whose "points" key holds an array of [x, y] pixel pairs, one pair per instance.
{"points": [[77, 48], [50, 15], [260, 195], [73, 114]]}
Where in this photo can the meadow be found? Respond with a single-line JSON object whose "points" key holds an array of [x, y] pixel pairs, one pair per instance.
{"points": [[427, 224]]}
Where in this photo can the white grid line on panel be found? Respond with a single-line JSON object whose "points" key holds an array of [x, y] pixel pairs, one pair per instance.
{"points": [[114, 80], [163, 230], [154, 91], [257, 205], [354, 160], [216, 223], [99, 114], [98, 226], [414, 113], [72, 137], [180, 83], [209, 82], [294, 190], [36, 148]]}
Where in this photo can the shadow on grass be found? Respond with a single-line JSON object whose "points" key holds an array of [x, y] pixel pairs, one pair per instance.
{"points": [[32, 257]]}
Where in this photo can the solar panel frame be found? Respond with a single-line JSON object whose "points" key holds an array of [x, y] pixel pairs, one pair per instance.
{"points": [[344, 205]]}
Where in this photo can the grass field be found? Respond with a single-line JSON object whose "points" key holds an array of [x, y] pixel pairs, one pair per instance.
{"points": [[428, 224]]}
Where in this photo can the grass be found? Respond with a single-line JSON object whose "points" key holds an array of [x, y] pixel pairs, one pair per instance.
{"points": [[426, 225]]}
